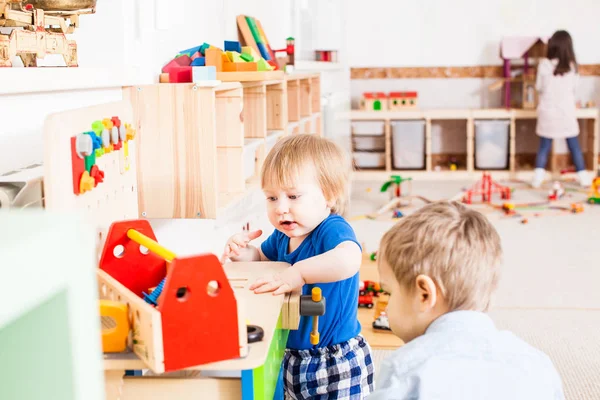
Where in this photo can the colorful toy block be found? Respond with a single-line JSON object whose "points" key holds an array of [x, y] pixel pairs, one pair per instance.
{"points": [[246, 57], [234, 56], [177, 62], [203, 48], [214, 58], [196, 55], [250, 51], [180, 75], [189, 52], [263, 65], [206, 73], [233, 46], [199, 62], [240, 66]]}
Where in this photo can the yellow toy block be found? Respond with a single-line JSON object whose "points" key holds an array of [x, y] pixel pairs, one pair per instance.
{"points": [[115, 326], [263, 65], [86, 183], [234, 56]]}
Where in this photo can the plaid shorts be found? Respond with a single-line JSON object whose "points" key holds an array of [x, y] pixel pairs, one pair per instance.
{"points": [[341, 371]]}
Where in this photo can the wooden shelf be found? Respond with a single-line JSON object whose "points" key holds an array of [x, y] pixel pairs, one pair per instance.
{"points": [[589, 134], [304, 103], [202, 147]]}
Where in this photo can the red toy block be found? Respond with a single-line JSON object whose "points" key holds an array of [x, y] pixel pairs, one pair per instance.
{"points": [[196, 55], [116, 121], [273, 64], [199, 326], [136, 271], [181, 61], [78, 164], [180, 75]]}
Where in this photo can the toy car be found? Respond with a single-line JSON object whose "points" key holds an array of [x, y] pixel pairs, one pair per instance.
{"points": [[382, 322]]}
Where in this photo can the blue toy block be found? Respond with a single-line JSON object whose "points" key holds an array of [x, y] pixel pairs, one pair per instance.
{"points": [[207, 73], [263, 51], [231, 45], [198, 62], [190, 52]]}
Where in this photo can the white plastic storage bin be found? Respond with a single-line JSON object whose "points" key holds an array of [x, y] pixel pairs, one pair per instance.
{"points": [[491, 144], [365, 159], [368, 128], [369, 143], [408, 144], [250, 148]]}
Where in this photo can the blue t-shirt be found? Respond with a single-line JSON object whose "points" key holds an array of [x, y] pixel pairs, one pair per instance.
{"points": [[340, 322]]}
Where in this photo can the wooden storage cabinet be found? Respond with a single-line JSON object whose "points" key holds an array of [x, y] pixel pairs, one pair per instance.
{"points": [[304, 103], [520, 151]]}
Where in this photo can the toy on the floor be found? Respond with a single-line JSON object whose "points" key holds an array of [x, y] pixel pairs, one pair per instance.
{"points": [[594, 196], [367, 292], [556, 192], [46, 24], [486, 187], [397, 198]]}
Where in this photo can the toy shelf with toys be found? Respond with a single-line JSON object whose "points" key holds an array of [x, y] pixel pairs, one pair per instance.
{"points": [[191, 323], [374, 147]]}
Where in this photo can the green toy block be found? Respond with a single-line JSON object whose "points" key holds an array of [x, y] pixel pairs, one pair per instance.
{"points": [[246, 57], [263, 65], [203, 48], [265, 377], [234, 56], [254, 30], [98, 127], [90, 161]]}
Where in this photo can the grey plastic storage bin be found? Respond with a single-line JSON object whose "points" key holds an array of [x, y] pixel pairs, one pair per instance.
{"points": [[491, 144], [408, 144]]}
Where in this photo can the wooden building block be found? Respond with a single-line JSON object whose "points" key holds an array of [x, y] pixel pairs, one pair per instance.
{"points": [[234, 56], [164, 78], [214, 58]]}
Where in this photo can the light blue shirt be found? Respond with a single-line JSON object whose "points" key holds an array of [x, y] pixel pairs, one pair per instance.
{"points": [[463, 356]]}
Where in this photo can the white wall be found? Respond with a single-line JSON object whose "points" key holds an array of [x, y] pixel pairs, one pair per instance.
{"points": [[461, 32]]}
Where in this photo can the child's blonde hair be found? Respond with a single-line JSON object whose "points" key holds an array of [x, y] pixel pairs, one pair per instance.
{"points": [[456, 246], [291, 155]]}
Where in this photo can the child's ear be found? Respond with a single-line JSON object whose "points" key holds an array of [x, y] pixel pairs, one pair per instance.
{"points": [[427, 294], [331, 203]]}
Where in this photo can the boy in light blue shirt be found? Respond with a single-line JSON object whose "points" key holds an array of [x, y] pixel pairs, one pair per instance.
{"points": [[441, 266]]}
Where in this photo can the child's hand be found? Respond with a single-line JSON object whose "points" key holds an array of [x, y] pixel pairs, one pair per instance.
{"points": [[284, 282], [237, 244]]}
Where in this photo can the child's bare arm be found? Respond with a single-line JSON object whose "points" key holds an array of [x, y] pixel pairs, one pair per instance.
{"points": [[239, 249], [337, 264]]}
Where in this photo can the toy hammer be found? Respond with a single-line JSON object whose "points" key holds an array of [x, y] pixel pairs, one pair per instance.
{"points": [[313, 305]]}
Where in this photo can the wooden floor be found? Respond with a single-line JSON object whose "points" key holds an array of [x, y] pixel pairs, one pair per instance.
{"points": [[377, 339]]}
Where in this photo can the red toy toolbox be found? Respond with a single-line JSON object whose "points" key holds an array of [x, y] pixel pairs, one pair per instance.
{"points": [[196, 320]]}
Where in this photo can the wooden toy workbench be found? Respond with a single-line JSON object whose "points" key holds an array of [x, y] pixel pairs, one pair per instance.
{"points": [[96, 176]]}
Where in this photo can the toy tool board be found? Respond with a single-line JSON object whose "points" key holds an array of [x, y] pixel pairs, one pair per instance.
{"points": [[90, 166]]}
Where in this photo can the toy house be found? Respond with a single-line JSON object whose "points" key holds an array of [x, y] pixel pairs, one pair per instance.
{"points": [[374, 101], [401, 100], [518, 73]]}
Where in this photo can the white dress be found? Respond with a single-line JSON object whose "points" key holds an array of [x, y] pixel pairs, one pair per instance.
{"points": [[556, 109]]}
